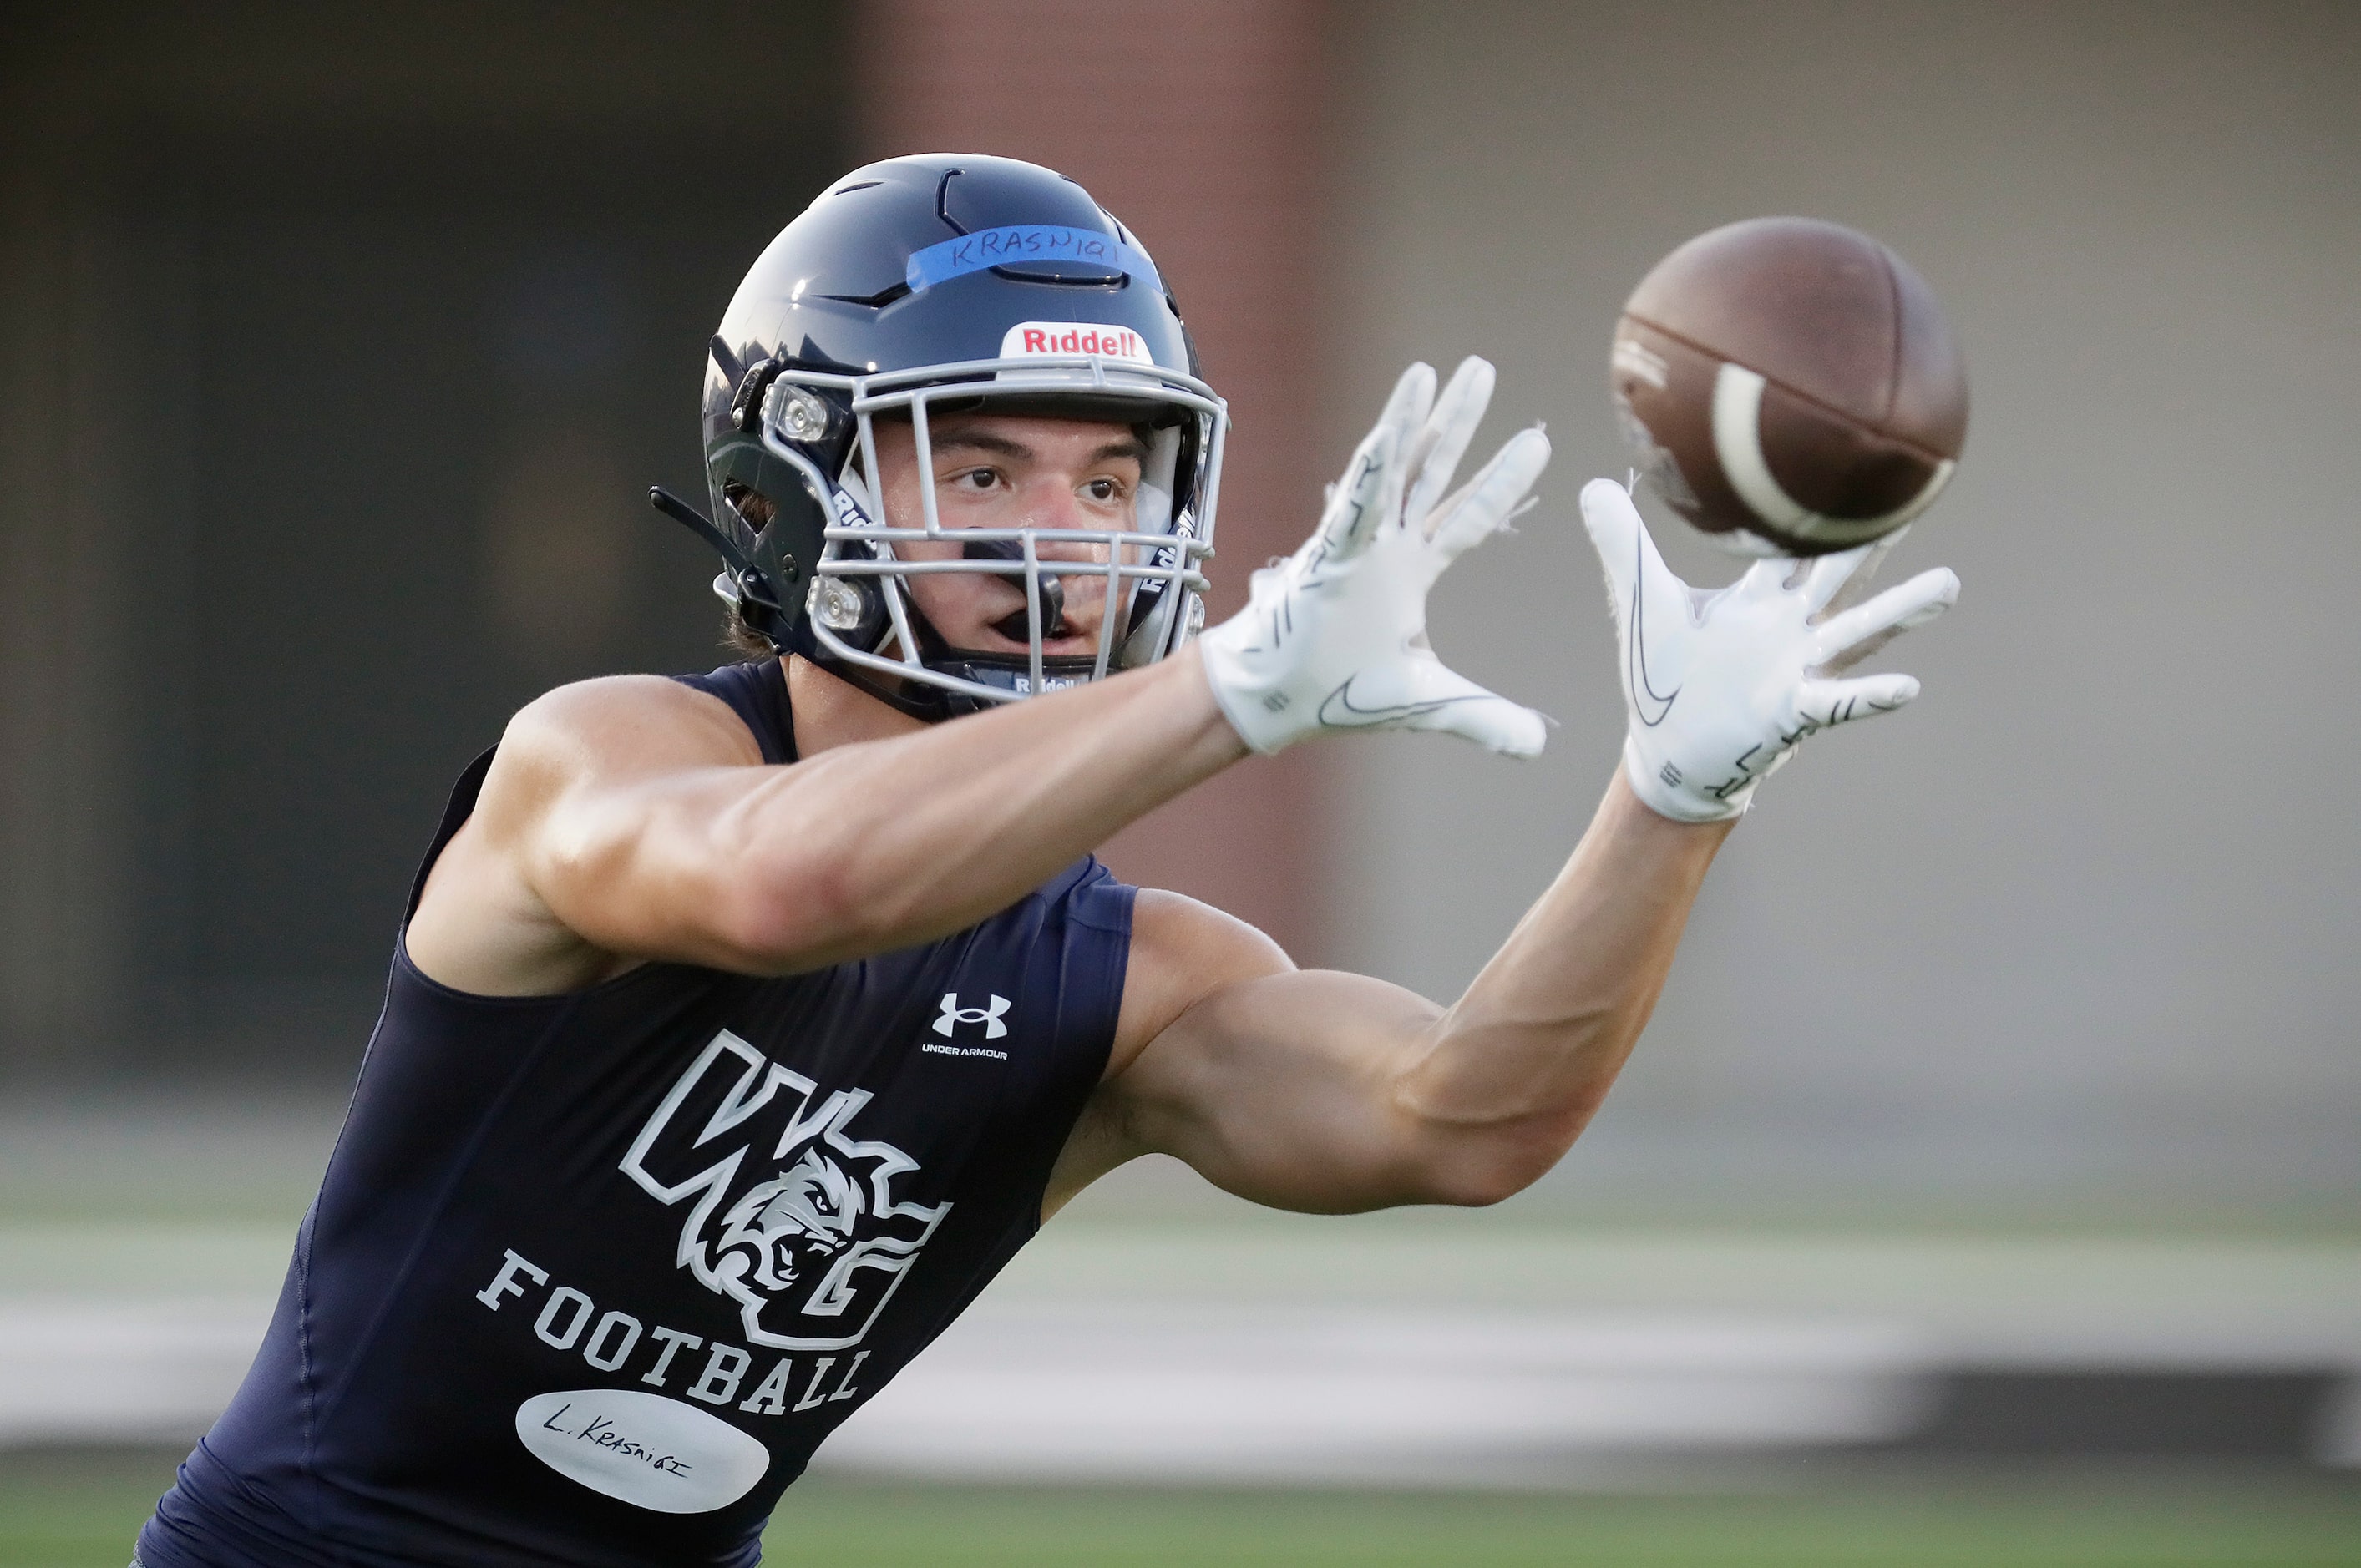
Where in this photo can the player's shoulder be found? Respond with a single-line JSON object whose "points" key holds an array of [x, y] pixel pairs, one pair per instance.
{"points": [[1179, 927], [612, 728], [651, 717], [1183, 950], [593, 706]]}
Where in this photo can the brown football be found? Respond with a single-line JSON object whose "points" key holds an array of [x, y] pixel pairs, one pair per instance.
{"points": [[1790, 386]]}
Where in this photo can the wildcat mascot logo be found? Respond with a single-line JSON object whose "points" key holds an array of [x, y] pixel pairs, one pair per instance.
{"points": [[794, 1219]]}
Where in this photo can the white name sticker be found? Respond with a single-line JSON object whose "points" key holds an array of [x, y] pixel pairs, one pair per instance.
{"points": [[1026, 339], [650, 1451]]}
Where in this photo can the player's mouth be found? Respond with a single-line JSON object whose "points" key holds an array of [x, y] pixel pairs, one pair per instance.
{"points": [[1018, 628], [1060, 634]]}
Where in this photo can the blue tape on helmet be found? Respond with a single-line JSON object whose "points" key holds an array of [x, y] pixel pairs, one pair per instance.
{"points": [[1019, 242]]}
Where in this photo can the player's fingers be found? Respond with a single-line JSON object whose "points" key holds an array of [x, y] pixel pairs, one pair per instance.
{"points": [[1897, 609], [1483, 506], [1419, 692], [1444, 699], [1771, 575], [1406, 413], [1356, 501], [1442, 441], [1412, 398], [1856, 586], [1828, 703], [1628, 555], [1860, 653], [1826, 575], [1408, 405], [1406, 408]]}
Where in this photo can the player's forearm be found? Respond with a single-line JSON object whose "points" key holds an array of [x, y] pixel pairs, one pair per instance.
{"points": [[1513, 1072], [928, 833]]}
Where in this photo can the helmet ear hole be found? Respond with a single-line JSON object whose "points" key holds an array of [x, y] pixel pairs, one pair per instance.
{"points": [[751, 504]]}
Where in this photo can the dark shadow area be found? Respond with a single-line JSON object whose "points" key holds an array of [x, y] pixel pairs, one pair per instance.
{"points": [[369, 333], [2237, 1414]]}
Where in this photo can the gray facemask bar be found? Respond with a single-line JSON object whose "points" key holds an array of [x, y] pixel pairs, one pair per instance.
{"points": [[1168, 550]]}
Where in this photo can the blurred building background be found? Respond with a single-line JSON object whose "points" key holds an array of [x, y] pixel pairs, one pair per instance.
{"points": [[339, 354], [338, 344]]}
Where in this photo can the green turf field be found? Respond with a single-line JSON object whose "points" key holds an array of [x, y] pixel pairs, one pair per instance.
{"points": [[60, 1512]]}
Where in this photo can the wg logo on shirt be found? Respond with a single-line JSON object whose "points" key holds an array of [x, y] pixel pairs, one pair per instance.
{"points": [[793, 1217]]}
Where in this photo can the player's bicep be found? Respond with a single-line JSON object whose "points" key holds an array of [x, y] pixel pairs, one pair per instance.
{"points": [[1284, 1089]]}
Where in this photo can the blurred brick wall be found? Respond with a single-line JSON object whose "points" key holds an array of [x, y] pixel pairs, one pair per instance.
{"points": [[1201, 127]]}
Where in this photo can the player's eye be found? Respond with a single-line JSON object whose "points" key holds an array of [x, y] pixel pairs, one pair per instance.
{"points": [[976, 479], [1103, 490]]}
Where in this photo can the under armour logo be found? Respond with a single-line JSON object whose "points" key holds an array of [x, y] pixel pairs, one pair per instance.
{"points": [[954, 1015]]}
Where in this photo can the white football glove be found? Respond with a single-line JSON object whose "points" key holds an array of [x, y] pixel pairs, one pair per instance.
{"points": [[1333, 638], [1720, 685]]}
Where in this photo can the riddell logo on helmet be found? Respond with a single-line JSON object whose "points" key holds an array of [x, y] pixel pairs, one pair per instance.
{"points": [[1028, 338]]}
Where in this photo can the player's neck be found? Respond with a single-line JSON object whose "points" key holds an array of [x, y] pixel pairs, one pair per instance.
{"points": [[831, 713]]}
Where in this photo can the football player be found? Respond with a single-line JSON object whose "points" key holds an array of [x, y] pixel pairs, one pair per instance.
{"points": [[744, 1025]]}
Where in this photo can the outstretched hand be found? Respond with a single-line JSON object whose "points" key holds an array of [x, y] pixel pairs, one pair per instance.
{"points": [[1333, 638], [1720, 685]]}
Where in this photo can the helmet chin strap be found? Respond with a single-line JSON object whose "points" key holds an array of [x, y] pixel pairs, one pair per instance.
{"points": [[1012, 672]]}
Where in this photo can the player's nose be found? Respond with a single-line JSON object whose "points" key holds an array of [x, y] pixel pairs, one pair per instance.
{"points": [[1058, 526], [1054, 506]]}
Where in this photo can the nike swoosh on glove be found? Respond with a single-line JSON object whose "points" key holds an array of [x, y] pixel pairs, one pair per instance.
{"points": [[1719, 685], [1333, 638]]}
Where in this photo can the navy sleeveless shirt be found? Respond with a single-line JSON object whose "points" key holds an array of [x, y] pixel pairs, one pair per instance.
{"points": [[590, 1276]]}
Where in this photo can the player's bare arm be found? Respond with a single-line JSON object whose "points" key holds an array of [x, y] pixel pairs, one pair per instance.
{"points": [[630, 819], [1335, 1092]]}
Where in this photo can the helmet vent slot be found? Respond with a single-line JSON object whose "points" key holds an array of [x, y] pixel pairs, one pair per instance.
{"points": [[876, 301]]}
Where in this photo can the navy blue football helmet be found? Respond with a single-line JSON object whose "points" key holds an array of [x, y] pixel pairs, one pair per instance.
{"points": [[916, 288]]}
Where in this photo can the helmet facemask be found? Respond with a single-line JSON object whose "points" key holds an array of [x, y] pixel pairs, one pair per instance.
{"points": [[862, 620]]}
